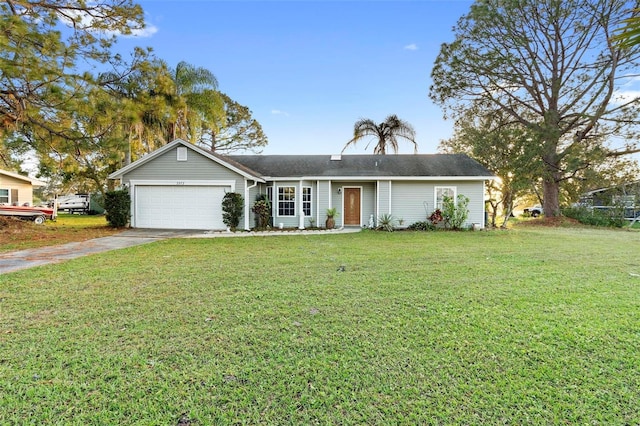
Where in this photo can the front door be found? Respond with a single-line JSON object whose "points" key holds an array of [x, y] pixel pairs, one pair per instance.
{"points": [[352, 206]]}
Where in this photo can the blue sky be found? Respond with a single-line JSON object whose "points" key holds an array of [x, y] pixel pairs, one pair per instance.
{"points": [[309, 69]]}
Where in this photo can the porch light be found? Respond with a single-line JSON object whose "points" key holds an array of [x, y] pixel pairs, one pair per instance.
{"points": [[339, 190]]}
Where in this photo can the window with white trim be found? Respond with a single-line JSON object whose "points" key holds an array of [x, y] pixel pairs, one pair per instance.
{"points": [[441, 192], [306, 200], [4, 196], [286, 201]]}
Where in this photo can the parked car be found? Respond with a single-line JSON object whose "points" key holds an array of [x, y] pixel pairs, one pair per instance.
{"points": [[534, 211]]}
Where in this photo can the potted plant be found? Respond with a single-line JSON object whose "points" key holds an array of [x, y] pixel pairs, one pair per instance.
{"points": [[331, 214]]}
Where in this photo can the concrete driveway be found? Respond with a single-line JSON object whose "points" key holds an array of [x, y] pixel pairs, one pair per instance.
{"points": [[14, 261]]}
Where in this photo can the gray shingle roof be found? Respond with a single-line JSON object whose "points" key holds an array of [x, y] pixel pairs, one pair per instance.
{"points": [[419, 165]]}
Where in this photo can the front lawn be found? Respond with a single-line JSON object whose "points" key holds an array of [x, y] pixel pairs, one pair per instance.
{"points": [[527, 326], [16, 234]]}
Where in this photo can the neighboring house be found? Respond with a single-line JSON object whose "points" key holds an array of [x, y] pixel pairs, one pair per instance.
{"points": [[16, 189], [181, 186], [625, 196]]}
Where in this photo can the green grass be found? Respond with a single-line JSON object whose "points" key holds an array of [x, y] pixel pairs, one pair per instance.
{"points": [[18, 234], [528, 326]]}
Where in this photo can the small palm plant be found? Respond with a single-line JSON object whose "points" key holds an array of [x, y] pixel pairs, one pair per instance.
{"points": [[386, 222]]}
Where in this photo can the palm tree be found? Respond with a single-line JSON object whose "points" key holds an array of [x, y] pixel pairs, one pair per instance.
{"points": [[386, 133], [196, 101]]}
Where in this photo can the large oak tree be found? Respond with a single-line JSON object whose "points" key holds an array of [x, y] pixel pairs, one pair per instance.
{"points": [[553, 68], [489, 137]]}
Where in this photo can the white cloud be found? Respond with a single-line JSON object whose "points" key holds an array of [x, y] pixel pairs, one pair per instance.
{"points": [[624, 96], [147, 31], [411, 46], [278, 112], [86, 21]]}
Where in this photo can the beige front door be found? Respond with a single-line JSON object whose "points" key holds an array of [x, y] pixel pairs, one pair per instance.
{"points": [[352, 206]]}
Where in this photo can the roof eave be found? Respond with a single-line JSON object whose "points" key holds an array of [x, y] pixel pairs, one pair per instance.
{"points": [[373, 178], [33, 181]]}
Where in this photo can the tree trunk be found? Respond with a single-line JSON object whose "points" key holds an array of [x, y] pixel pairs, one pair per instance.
{"points": [[551, 194], [127, 153], [552, 171]]}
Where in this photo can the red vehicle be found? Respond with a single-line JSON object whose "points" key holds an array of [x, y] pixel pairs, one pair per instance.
{"points": [[37, 214]]}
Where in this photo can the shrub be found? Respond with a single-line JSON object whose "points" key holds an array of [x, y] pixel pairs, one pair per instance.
{"points": [[435, 217], [613, 217], [422, 226], [232, 205], [262, 209], [455, 212], [117, 205]]}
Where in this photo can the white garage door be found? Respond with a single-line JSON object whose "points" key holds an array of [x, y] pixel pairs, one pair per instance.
{"points": [[179, 207]]}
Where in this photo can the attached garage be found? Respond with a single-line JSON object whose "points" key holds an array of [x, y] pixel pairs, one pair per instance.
{"points": [[181, 186], [179, 206]]}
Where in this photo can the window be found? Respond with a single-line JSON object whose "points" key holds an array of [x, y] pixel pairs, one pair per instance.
{"points": [[286, 201], [306, 200], [270, 195], [444, 191], [623, 200], [4, 196]]}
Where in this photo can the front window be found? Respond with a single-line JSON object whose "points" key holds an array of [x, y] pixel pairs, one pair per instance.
{"points": [[444, 191], [4, 196], [306, 201], [287, 201]]}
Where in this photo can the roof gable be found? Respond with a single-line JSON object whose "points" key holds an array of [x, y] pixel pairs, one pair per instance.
{"points": [[32, 181], [225, 162]]}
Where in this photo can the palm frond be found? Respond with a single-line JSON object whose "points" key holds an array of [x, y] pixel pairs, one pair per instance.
{"points": [[385, 134]]}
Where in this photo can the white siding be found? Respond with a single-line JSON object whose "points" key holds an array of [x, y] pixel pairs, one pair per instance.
{"points": [[383, 205], [197, 167], [323, 201], [415, 201]]}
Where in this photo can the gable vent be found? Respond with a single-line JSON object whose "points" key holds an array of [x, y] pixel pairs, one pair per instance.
{"points": [[336, 157], [182, 153]]}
